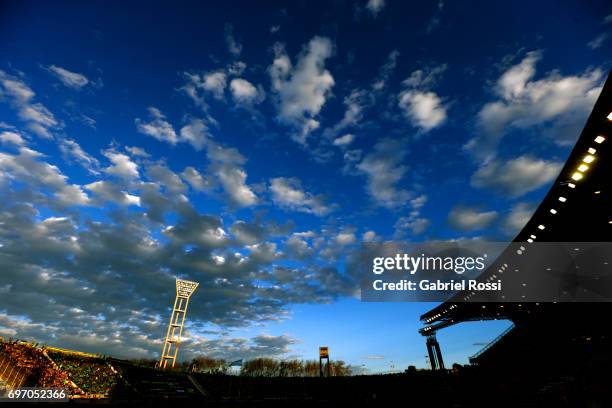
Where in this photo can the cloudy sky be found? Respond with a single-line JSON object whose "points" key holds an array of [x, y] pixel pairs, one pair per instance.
{"points": [[254, 148]]}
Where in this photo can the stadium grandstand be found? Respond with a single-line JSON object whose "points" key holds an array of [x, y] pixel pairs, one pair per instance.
{"points": [[564, 338]]}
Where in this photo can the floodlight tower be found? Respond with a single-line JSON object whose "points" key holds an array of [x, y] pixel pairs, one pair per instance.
{"points": [[184, 290]]}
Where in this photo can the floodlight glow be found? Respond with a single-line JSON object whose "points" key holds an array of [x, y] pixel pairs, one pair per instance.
{"points": [[582, 168], [530, 240], [541, 227], [591, 150], [577, 176], [571, 185], [599, 139], [553, 211], [588, 158], [610, 116], [532, 236], [562, 199]]}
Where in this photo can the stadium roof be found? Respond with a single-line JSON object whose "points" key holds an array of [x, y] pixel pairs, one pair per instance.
{"points": [[577, 208]]}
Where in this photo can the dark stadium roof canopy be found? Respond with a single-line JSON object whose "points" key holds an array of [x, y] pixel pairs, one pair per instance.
{"points": [[577, 208]]}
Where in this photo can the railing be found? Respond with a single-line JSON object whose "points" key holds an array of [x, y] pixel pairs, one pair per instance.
{"points": [[11, 375], [491, 344]]}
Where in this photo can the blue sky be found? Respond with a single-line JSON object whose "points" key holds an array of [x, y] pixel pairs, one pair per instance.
{"points": [[253, 148]]}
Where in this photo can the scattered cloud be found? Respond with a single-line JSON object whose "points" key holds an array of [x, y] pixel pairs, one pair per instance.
{"points": [[414, 223], [158, 127], [233, 46], [385, 72], [71, 150], [70, 79], [49, 183], [39, 120], [122, 166], [598, 41], [288, 193], [422, 107], [108, 191], [375, 6], [344, 141], [245, 93], [559, 104], [517, 176], [226, 165], [10, 137], [196, 133], [302, 90], [465, 218], [384, 169], [355, 104], [518, 217]]}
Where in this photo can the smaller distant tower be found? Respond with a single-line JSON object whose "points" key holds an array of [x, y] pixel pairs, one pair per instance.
{"points": [[184, 290]]}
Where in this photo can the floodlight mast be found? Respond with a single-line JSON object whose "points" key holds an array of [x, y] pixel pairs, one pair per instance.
{"points": [[184, 290]]}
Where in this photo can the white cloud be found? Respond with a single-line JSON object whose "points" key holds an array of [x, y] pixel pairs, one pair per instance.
{"points": [[355, 104], [233, 46], [288, 193], [137, 151], [560, 104], [122, 166], [38, 118], [225, 165], [196, 180], [385, 72], [345, 238], [70, 79], [384, 169], [108, 191], [414, 223], [517, 176], [424, 109], [28, 167], [73, 151], [375, 6], [345, 140], [196, 133], [470, 219], [158, 127], [199, 86], [302, 90], [598, 41], [215, 83], [10, 137], [369, 236], [245, 93], [518, 217]]}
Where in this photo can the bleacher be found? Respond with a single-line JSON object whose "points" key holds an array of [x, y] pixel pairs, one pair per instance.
{"points": [[149, 384]]}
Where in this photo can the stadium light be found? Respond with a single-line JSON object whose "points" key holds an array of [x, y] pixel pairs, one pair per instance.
{"points": [[553, 211], [577, 176], [562, 199], [588, 158], [599, 139], [571, 185], [582, 168], [541, 227], [184, 290], [591, 150], [610, 116]]}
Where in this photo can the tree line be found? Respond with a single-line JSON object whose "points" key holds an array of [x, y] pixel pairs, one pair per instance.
{"points": [[258, 367]]}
